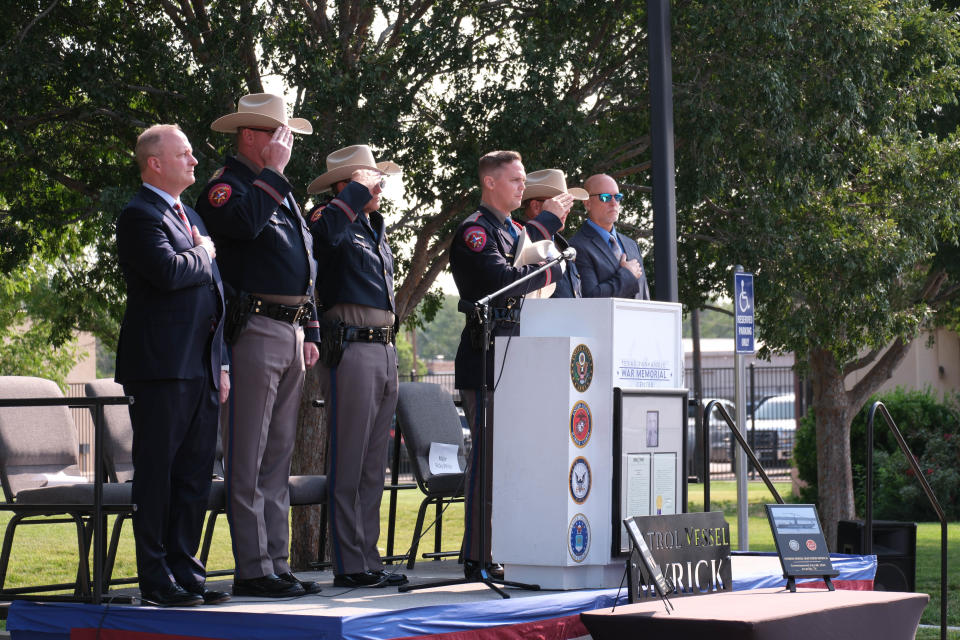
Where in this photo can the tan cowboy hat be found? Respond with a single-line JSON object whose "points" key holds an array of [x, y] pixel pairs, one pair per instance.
{"points": [[260, 111], [534, 253], [547, 183], [341, 165]]}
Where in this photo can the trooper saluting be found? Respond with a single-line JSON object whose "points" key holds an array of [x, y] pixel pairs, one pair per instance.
{"points": [[265, 256], [358, 357]]}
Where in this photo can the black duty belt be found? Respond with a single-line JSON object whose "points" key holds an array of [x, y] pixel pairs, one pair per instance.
{"points": [[509, 315], [383, 335], [295, 314]]}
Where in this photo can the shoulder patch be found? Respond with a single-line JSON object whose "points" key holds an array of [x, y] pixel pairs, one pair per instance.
{"points": [[219, 194], [217, 174], [317, 213], [475, 238]]}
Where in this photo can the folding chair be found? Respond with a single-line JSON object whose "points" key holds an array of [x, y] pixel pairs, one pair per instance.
{"points": [[41, 477], [426, 414]]}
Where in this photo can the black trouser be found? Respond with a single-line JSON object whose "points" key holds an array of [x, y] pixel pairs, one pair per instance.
{"points": [[174, 444]]}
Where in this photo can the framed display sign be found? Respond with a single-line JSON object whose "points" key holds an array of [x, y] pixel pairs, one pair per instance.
{"points": [[649, 447], [800, 543]]}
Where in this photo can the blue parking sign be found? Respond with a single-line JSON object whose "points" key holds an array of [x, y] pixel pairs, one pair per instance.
{"points": [[743, 312]]}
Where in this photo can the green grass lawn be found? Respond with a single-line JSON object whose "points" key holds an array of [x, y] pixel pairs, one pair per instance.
{"points": [[45, 554]]}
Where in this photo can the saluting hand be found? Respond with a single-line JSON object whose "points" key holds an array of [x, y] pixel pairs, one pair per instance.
{"points": [[559, 205], [205, 242], [368, 178], [276, 153]]}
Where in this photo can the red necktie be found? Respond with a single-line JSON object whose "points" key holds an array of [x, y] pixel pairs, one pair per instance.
{"points": [[183, 216]]}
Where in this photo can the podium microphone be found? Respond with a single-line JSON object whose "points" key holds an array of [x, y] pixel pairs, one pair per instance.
{"points": [[569, 254]]}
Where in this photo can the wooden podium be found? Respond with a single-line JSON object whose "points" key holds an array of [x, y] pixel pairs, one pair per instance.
{"points": [[554, 492]]}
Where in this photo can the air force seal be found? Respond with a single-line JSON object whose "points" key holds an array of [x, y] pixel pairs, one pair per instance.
{"points": [[580, 480], [581, 368], [581, 423], [579, 537]]}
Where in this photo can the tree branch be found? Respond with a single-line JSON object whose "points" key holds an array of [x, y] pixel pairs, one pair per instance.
{"points": [[880, 373], [36, 18]]}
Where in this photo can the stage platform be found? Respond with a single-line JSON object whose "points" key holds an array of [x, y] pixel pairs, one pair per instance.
{"points": [[463, 612]]}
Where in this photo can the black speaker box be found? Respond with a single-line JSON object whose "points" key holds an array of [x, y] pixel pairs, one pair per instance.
{"points": [[895, 545]]}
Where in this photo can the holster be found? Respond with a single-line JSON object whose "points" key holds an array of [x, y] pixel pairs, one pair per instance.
{"points": [[239, 308], [331, 342]]}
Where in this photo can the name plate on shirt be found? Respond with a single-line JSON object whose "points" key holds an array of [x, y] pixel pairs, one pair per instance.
{"points": [[443, 459]]}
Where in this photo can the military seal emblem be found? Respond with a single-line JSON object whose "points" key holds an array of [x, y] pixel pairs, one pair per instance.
{"points": [[581, 368]]}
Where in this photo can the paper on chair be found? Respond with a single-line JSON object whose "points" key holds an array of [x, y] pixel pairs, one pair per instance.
{"points": [[60, 478], [443, 459]]}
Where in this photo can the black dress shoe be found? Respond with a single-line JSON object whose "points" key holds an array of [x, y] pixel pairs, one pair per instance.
{"points": [[471, 570], [356, 580], [209, 595], [308, 585], [391, 579], [172, 596], [268, 586]]}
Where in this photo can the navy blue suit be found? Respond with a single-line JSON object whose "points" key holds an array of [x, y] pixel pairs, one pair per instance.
{"points": [[600, 272], [169, 357]]}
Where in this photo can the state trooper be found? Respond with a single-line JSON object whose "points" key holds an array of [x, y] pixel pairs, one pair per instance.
{"points": [[265, 255], [540, 187], [482, 259], [358, 357]]}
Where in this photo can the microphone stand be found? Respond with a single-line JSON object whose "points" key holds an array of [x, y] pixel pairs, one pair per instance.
{"points": [[484, 311]]}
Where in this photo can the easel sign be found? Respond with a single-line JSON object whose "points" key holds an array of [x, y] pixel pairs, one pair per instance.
{"points": [[800, 543], [642, 552]]}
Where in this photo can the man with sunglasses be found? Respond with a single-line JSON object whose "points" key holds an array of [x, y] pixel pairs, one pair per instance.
{"points": [[358, 360], [265, 253], [609, 263]]}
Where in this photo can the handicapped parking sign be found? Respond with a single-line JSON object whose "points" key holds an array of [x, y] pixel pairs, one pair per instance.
{"points": [[743, 312]]}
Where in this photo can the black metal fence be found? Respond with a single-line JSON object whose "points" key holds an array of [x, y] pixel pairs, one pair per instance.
{"points": [[772, 437], [772, 390]]}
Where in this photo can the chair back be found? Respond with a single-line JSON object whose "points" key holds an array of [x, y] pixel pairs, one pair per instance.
{"points": [[117, 430], [426, 414], [34, 441]]}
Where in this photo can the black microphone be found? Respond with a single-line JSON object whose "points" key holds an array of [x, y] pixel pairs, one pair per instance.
{"points": [[569, 254]]}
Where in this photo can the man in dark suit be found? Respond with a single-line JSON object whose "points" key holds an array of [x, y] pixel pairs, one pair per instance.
{"points": [[171, 359], [609, 263]]}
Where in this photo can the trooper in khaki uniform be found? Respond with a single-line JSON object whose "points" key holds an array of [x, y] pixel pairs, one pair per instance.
{"points": [[265, 255], [358, 358]]}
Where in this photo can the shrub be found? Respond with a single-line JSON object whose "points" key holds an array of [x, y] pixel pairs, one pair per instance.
{"points": [[930, 427]]}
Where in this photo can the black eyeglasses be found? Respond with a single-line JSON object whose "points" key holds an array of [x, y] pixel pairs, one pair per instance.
{"points": [[260, 129], [605, 197]]}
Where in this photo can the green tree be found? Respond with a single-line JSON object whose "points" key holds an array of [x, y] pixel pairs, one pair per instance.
{"points": [[800, 157], [27, 347], [441, 336]]}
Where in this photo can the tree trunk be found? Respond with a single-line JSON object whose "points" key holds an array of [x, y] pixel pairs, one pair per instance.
{"points": [[833, 418], [309, 458]]}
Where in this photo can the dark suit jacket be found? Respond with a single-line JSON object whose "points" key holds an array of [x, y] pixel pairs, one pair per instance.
{"points": [[600, 273], [173, 324]]}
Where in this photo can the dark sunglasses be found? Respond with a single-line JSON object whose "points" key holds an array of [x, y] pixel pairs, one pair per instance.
{"points": [[605, 197], [260, 129]]}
